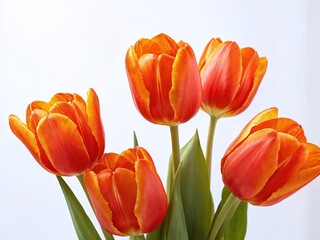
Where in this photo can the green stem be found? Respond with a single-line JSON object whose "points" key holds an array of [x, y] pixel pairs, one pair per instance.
{"points": [[140, 237], [224, 217], [174, 131], [81, 180], [107, 235], [212, 126]]}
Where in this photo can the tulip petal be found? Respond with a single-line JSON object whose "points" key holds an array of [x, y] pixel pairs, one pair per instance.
{"points": [[186, 92], [126, 163], [34, 118], [246, 180], [309, 171], [143, 154], [74, 113], [221, 78], [30, 141], [120, 191], [253, 70], [151, 205], [78, 100], [145, 46], [61, 97], [100, 205], [313, 158], [166, 44], [160, 105], [156, 72], [295, 155], [208, 51], [258, 75], [36, 105], [265, 115], [25, 135], [109, 160], [140, 94], [129, 155], [288, 147], [284, 125], [63, 144], [94, 120]]}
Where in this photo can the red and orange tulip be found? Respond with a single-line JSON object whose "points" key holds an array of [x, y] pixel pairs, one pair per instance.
{"points": [[65, 135], [164, 80], [270, 160], [230, 77], [126, 192]]}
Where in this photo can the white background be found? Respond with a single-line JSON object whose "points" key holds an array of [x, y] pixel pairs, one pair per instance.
{"points": [[69, 46]]}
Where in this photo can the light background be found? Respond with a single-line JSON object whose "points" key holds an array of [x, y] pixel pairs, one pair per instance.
{"points": [[69, 46]]}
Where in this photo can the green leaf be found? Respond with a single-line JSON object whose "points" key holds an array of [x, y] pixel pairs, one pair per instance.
{"points": [[191, 207], [236, 230], [174, 225], [195, 190], [135, 140], [82, 223], [154, 235], [234, 227]]}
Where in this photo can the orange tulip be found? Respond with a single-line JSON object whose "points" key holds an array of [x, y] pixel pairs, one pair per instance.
{"points": [[164, 80], [126, 192], [64, 135], [230, 77], [270, 160]]}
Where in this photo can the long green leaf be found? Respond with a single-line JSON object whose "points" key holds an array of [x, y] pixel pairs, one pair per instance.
{"points": [[191, 206], [154, 235], [234, 227], [236, 230], [174, 225], [195, 190], [84, 228], [135, 140]]}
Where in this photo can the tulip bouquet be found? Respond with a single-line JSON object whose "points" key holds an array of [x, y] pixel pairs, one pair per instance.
{"points": [[269, 160]]}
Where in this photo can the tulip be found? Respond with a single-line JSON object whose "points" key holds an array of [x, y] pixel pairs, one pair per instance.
{"points": [[64, 135], [270, 160], [230, 77], [164, 80], [126, 193]]}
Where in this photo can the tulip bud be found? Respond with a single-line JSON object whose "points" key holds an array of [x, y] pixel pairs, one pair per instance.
{"points": [[164, 80], [126, 192], [270, 160], [64, 135], [230, 77]]}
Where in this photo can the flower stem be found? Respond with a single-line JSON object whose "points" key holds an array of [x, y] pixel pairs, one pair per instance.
{"points": [[175, 148], [81, 180], [106, 235], [224, 217], [212, 126], [140, 237]]}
